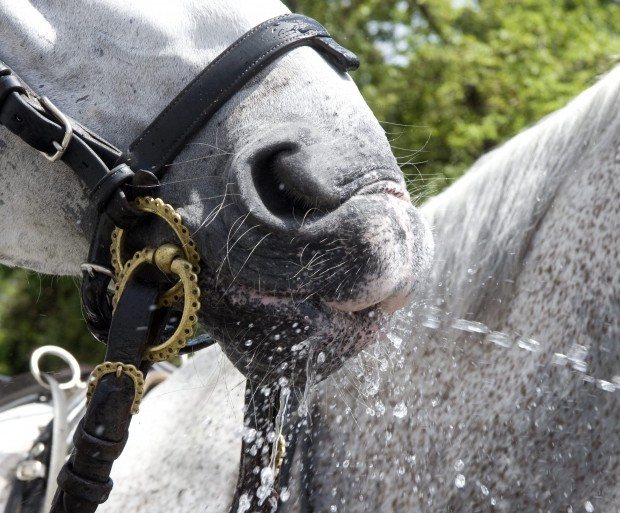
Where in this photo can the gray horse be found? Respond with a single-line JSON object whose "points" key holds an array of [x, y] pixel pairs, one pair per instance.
{"points": [[298, 208], [494, 393]]}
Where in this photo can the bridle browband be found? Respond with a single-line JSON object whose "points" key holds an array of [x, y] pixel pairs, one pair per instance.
{"points": [[117, 183]]}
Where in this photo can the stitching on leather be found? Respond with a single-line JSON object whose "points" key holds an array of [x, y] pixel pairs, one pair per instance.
{"points": [[215, 100], [299, 36], [182, 94]]}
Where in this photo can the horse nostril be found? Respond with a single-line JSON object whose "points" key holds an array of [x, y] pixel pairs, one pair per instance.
{"points": [[284, 183]]}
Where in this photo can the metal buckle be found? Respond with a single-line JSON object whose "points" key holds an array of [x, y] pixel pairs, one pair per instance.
{"points": [[64, 122], [118, 368], [91, 269]]}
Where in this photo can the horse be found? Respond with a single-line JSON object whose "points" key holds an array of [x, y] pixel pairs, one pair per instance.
{"points": [[298, 209], [494, 391]]}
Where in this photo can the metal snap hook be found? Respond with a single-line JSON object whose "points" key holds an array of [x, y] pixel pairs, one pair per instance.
{"points": [[64, 355]]}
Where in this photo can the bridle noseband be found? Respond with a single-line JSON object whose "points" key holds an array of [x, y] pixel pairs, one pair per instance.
{"points": [[119, 185]]}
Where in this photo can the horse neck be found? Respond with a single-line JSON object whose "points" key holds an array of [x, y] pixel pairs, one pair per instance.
{"points": [[113, 66], [485, 222]]}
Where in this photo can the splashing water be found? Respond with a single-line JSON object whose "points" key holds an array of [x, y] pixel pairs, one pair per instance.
{"points": [[400, 410], [459, 481], [434, 318]]}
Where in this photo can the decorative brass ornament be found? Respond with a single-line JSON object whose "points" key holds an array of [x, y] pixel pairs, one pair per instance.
{"points": [[164, 211], [119, 369], [166, 257], [182, 261]]}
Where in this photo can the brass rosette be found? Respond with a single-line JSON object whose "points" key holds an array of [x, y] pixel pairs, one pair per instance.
{"points": [[169, 259], [167, 213]]}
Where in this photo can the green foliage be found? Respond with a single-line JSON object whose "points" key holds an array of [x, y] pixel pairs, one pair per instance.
{"points": [[453, 79], [450, 79], [36, 310]]}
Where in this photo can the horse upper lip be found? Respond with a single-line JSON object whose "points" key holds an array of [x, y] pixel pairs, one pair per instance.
{"points": [[385, 187]]}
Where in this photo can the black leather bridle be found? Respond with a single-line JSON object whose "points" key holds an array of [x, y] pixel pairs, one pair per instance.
{"points": [[114, 178]]}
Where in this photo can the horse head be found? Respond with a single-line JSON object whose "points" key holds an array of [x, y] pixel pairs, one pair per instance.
{"points": [[299, 210]]}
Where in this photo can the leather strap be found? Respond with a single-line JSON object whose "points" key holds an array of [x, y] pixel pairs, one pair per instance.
{"points": [[253, 491], [84, 481], [88, 155], [226, 75]]}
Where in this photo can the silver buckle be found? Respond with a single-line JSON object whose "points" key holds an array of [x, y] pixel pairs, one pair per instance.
{"points": [[91, 269], [64, 122]]}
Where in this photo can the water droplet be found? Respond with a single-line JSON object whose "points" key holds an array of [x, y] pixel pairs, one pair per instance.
{"points": [[472, 271], [248, 343], [470, 326], [277, 336], [244, 503], [379, 408], [484, 490], [529, 344], [345, 464], [371, 388], [383, 364], [588, 506], [285, 494], [432, 320], [560, 359], [493, 501], [283, 382], [320, 359], [397, 342], [577, 355], [499, 338], [249, 435], [459, 481], [459, 465], [333, 508], [607, 386], [400, 410]]}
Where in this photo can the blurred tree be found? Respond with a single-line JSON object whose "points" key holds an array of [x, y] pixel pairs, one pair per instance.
{"points": [[36, 310], [450, 79]]}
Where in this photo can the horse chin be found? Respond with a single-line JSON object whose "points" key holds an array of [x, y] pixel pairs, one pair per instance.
{"points": [[275, 339], [301, 333]]}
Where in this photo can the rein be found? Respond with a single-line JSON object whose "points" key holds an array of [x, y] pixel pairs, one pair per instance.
{"points": [[155, 284]]}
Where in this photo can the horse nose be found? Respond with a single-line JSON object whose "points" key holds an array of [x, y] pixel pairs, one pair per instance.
{"points": [[302, 175], [288, 176]]}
